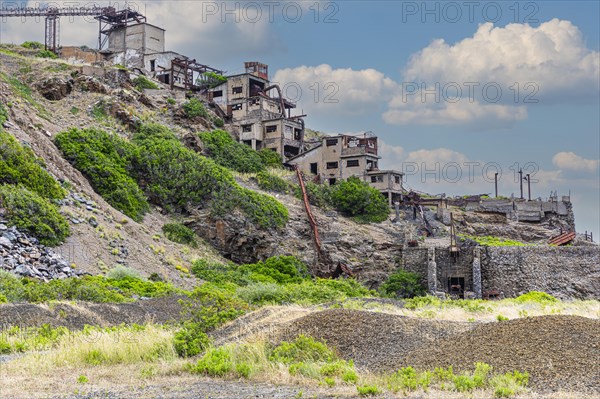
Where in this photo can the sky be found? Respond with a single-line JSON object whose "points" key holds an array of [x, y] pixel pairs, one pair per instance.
{"points": [[456, 91]]}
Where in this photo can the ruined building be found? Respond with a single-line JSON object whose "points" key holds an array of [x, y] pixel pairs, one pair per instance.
{"points": [[259, 119], [339, 157]]}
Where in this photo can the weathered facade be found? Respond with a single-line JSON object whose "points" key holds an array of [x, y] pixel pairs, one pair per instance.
{"points": [[339, 157], [260, 120]]}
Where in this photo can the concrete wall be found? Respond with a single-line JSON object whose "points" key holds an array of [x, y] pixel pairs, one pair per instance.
{"points": [[142, 37], [565, 272], [75, 55]]}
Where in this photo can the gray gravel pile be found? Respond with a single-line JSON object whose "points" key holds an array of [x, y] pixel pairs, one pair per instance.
{"points": [[25, 256], [559, 352], [376, 341]]}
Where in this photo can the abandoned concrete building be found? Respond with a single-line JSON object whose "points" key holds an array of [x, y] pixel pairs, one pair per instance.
{"points": [[259, 120], [339, 157]]}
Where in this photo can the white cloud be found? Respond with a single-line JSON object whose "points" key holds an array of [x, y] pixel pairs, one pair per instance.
{"points": [[569, 161], [549, 64], [344, 91], [553, 55]]}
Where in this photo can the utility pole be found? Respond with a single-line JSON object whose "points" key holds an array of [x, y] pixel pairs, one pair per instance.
{"points": [[496, 183], [521, 181], [528, 178]]}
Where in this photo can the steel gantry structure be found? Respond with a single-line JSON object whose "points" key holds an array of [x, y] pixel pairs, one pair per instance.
{"points": [[108, 19]]}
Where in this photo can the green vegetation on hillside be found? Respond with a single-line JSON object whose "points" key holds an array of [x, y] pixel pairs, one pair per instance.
{"points": [[108, 162], [171, 175], [33, 213], [27, 192], [491, 241], [142, 82], [193, 108], [88, 288], [179, 233], [403, 284], [352, 197], [19, 165], [227, 152]]}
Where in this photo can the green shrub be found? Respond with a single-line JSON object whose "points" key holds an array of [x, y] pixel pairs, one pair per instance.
{"points": [[179, 233], [464, 383], [214, 79], [367, 390], [28, 211], [194, 108], [277, 269], [269, 182], [190, 340], [501, 318], [403, 284], [32, 45], [318, 194], [108, 162], [356, 198], [218, 122], [302, 349], [88, 288], [421, 302], [3, 115], [491, 241], [171, 101], [215, 363], [211, 305], [122, 272], [19, 165], [270, 158], [536, 296], [197, 180], [142, 82], [227, 152], [46, 54]]}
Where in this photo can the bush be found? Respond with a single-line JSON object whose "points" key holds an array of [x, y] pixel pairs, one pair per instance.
{"points": [[190, 340], [19, 165], [28, 211], [318, 194], [32, 45], [269, 182], [270, 158], [122, 272], [403, 284], [194, 108], [302, 349], [3, 115], [197, 180], [227, 152], [215, 363], [367, 390], [536, 296], [214, 79], [89, 288], [179, 233], [142, 82], [277, 269], [354, 197], [108, 162], [218, 122], [46, 54]]}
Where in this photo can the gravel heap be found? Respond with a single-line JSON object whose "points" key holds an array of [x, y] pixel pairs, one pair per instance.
{"points": [[559, 352], [75, 315], [25, 256], [375, 341]]}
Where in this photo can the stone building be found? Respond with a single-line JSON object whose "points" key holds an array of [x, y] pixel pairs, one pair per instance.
{"points": [[261, 120], [339, 157]]}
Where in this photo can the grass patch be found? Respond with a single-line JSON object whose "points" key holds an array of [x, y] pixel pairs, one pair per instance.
{"points": [[181, 234], [142, 82]]}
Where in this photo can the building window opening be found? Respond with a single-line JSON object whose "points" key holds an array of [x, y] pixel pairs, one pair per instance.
{"points": [[352, 163], [152, 65], [236, 107], [332, 181], [397, 179], [246, 128], [332, 165], [314, 168], [271, 129], [237, 90], [331, 142], [218, 93]]}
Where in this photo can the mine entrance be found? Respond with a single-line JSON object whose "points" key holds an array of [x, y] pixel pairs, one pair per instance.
{"points": [[456, 286]]}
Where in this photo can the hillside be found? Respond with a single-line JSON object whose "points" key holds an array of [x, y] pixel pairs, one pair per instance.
{"points": [[147, 253]]}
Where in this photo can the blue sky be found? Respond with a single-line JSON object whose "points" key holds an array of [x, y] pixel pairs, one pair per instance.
{"points": [[367, 56]]}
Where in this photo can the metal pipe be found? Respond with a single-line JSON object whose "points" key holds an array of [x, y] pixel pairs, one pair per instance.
{"points": [[496, 183], [521, 181]]}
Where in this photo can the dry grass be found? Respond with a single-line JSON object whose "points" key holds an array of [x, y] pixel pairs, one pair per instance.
{"points": [[484, 311]]}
